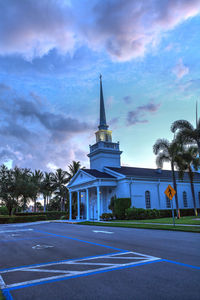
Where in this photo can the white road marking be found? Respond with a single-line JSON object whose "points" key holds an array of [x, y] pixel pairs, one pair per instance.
{"points": [[38, 247], [18, 230], [102, 231], [2, 283], [101, 266]]}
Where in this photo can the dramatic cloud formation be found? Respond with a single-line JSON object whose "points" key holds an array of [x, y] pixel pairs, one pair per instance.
{"points": [[180, 70], [137, 116], [33, 136], [32, 28], [125, 28]]}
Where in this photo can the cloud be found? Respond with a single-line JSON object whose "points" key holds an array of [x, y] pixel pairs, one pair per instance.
{"points": [[37, 137], [128, 29], [127, 99], [180, 69], [125, 29], [32, 28], [137, 116]]}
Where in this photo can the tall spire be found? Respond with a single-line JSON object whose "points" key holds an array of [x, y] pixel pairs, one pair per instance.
{"points": [[196, 114], [102, 123]]}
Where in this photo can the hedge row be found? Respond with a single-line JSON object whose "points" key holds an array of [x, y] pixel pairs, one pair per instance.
{"points": [[106, 217], [141, 213], [21, 219], [50, 215]]}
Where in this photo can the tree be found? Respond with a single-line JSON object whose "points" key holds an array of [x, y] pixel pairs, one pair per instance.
{"points": [[26, 187], [188, 160], [186, 132], [47, 188], [36, 180], [168, 152], [59, 181], [73, 169], [7, 188]]}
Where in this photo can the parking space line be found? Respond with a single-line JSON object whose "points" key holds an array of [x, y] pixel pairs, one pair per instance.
{"points": [[77, 274], [181, 264], [16, 230], [79, 240], [7, 294], [5, 270]]}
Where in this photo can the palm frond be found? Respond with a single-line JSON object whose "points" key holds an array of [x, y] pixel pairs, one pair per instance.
{"points": [[161, 144], [181, 125], [161, 158]]}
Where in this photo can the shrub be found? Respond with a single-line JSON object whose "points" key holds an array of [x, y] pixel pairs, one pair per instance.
{"points": [[112, 203], [51, 215], [141, 213], [106, 216], [3, 210], [120, 205], [21, 219]]}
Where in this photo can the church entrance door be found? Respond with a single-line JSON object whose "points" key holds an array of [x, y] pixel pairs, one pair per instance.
{"points": [[93, 210]]}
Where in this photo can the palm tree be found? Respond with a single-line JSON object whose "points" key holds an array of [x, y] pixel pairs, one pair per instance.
{"points": [[26, 187], [168, 152], [186, 132], [47, 188], [73, 168], [36, 180], [188, 161], [7, 188], [59, 181]]}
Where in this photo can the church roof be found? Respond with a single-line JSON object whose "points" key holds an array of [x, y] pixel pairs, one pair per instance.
{"points": [[98, 174], [150, 173]]}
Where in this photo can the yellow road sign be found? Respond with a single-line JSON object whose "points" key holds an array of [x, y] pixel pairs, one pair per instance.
{"points": [[170, 192]]}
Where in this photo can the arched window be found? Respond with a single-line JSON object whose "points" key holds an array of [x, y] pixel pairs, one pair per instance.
{"points": [[199, 198], [147, 199], [185, 204], [168, 203]]}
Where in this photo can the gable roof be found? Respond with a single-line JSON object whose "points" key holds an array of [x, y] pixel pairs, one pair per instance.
{"points": [[151, 173], [98, 174]]}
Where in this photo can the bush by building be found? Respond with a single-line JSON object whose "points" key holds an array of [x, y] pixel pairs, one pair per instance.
{"points": [[106, 216], [141, 213], [120, 206]]}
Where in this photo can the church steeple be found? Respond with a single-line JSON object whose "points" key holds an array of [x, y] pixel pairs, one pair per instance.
{"points": [[102, 122], [104, 152]]}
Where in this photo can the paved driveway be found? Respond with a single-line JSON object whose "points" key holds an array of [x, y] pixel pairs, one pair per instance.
{"points": [[64, 261]]}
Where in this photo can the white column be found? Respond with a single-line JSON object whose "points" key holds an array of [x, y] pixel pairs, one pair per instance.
{"points": [[78, 204], [87, 203], [98, 203], [70, 205]]}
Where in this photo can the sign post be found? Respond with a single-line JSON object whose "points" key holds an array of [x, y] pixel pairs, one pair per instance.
{"points": [[170, 192]]}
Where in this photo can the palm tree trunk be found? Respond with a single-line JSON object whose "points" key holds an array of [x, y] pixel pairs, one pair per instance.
{"points": [[198, 144], [44, 203], [175, 187], [192, 189], [34, 205]]}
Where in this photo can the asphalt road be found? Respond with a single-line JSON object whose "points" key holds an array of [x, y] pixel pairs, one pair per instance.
{"points": [[62, 261]]}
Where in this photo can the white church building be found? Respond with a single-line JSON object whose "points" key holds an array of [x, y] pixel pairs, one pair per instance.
{"points": [[107, 178]]}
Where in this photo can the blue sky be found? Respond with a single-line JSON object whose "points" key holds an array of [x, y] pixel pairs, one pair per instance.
{"points": [[51, 54]]}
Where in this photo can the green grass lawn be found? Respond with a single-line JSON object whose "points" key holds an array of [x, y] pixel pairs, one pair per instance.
{"points": [[183, 220], [140, 224], [1, 296]]}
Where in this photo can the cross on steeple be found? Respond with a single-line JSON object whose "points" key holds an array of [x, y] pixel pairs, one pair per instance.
{"points": [[102, 123]]}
